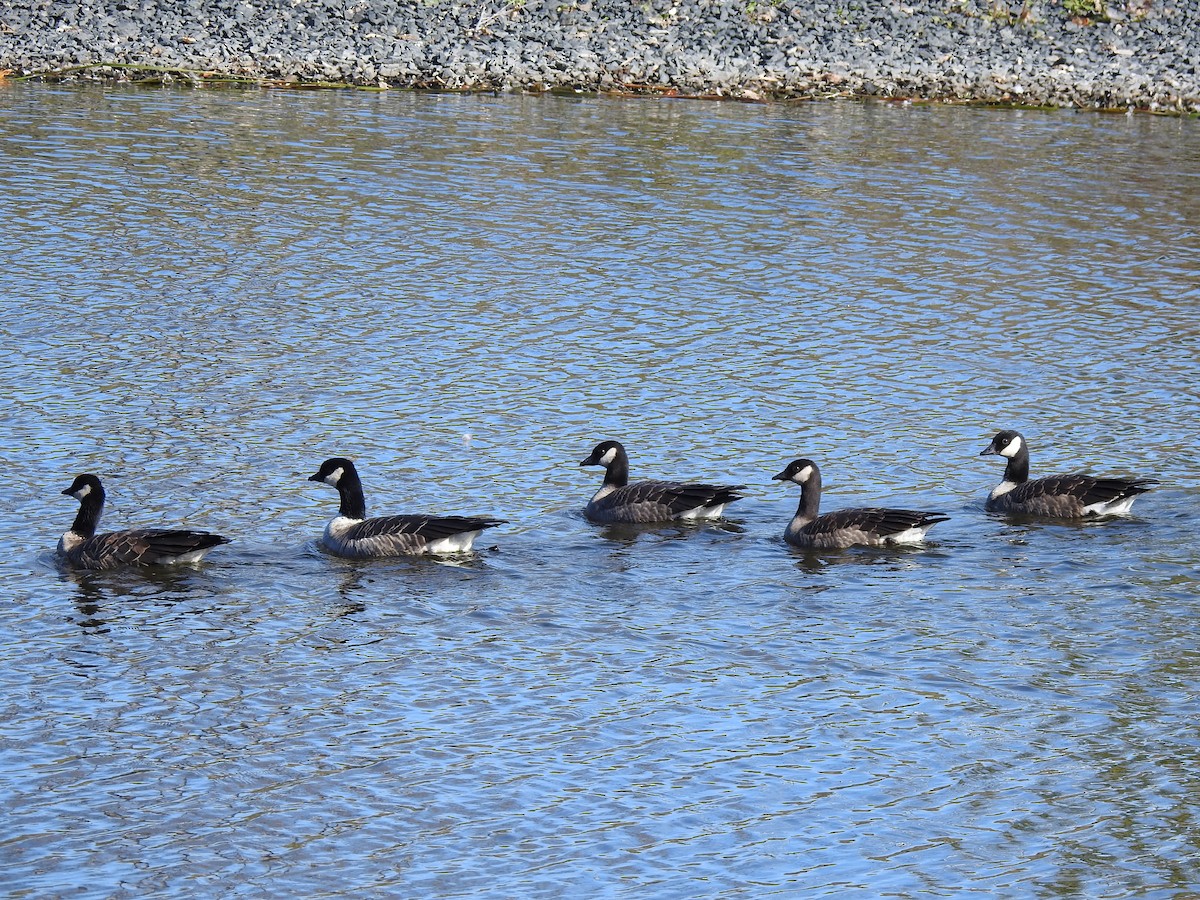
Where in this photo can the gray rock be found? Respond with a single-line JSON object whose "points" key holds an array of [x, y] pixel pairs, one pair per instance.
{"points": [[781, 48]]}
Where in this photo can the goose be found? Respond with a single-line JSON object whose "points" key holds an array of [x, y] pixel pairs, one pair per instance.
{"points": [[649, 501], [1056, 496], [352, 534], [83, 548], [870, 526]]}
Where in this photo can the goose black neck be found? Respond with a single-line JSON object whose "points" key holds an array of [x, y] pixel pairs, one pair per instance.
{"points": [[353, 504], [1017, 470], [810, 497], [617, 473], [88, 516]]}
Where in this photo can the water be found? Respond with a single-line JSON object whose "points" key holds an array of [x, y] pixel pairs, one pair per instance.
{"points": [[207, 293]]}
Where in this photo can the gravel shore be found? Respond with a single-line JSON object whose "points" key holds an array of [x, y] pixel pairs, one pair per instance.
{"points": [[1130, 53]]}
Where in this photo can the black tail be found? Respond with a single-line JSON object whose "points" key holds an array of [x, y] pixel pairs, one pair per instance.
{"points": [[722, 494]]}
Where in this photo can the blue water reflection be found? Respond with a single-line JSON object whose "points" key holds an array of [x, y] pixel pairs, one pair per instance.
{"points": [[209, 292]]}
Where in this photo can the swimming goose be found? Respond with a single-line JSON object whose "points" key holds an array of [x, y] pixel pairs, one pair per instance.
{"points": [[649, 501], [1057, 496], [353, 535], [871, 526], [83, 548]]}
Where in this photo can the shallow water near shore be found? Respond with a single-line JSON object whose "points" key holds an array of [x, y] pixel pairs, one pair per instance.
{"points": [[207, 293]]}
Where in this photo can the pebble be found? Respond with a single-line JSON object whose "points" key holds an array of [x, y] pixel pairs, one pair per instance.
{"points": [[1145, 55]]}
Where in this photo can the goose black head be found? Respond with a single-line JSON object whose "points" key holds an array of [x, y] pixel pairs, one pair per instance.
{"points": [[798, 471], [605, 454], [85, 486], [332, 470], [1006, 443]]}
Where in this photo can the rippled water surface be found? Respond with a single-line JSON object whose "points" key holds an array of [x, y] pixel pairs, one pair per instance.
{"points": [[205, 294]]}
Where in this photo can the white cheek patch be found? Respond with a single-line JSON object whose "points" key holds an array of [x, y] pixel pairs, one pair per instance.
{"points": [[335, 476], [83, 492], [803, 475], [1011, 448], [607, 458]]}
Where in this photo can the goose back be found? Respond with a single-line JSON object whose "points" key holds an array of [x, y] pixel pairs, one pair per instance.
{"points": [[404, 535], [659, 501], [137, 547]]}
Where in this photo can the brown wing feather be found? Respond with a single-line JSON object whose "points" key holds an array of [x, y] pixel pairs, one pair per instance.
{"points": [[428, 528], [1069, 494], [141, 547], [657, 501], [873, 520]]}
